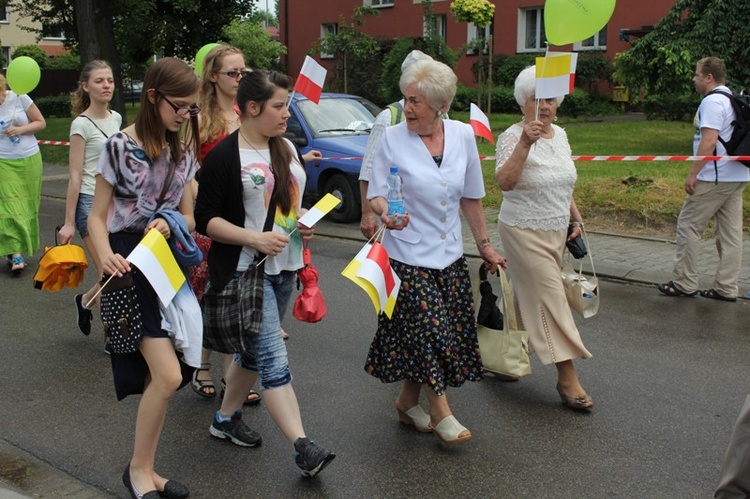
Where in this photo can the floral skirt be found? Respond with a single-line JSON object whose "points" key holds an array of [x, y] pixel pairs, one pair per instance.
{"points": [[432, 336]]}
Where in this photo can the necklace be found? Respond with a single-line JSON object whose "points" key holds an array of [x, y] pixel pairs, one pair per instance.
{"points": [[267, 160]]}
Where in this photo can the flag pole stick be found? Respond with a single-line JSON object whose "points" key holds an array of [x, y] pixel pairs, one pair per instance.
{"points": [[544, 65], [98, 292]]}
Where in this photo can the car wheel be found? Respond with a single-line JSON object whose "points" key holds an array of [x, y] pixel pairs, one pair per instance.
{"points": [[348, 209]]}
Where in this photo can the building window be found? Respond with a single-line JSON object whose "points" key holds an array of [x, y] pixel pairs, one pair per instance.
{"points": [[379, 3], [51, 33], [6, 53], [596, 42], [4, 12], [440, 26], [473, 36], [531, 36], [326, 30]]}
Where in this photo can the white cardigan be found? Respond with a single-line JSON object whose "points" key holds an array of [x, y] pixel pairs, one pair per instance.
{"points": [[432, 195]]}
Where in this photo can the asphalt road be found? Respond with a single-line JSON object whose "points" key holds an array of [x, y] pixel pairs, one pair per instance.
{"points": [[668, 378]]}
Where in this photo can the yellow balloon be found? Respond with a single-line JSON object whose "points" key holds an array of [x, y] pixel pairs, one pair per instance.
{"points": [[568, 21], [23, 75]]}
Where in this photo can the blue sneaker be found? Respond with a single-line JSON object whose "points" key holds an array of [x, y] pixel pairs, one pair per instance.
{"points": [[310, 457]]}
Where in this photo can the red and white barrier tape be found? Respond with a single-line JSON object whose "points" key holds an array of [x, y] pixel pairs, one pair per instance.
{"points": [[492, 158]]}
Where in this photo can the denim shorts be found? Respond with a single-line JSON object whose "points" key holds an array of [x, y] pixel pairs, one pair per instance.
{"points": [[267, 355], [83, 208]]}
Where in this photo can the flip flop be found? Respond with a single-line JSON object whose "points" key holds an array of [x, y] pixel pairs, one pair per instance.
{"points": [[669, 289], [715, 295]]}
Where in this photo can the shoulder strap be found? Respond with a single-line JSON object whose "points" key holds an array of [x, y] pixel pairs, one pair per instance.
{"points": [[95, 125]]}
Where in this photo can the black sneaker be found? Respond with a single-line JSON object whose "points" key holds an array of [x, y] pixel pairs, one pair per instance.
{"points": [[235, 430], [84, 316], [310, 457]]}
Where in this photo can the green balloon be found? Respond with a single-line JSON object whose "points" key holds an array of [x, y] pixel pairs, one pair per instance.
{"points": [[23, 75], [201, 55], [568, 21]]}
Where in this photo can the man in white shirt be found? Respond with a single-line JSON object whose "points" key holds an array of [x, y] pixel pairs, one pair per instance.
{"points": [[714, 190]]}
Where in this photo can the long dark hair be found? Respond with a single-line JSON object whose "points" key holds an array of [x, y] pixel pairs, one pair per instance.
{"points": [[259, 86], [167, 76]]}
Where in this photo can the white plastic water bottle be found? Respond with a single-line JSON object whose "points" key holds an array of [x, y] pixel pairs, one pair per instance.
{"points": [[395, 197], [13, 140]]}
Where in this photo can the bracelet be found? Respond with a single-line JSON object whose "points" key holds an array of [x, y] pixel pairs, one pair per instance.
{"points": [[576, 224], [484, 242]]}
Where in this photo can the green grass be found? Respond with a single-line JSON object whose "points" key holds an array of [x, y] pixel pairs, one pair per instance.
{"points": [[59, 129], [625, 196]]}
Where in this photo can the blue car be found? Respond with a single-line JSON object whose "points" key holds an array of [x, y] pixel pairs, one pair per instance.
{"points": [[339, 127]]}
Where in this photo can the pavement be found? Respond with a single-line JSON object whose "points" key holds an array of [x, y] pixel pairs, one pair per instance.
{"points": [[617, 257]]}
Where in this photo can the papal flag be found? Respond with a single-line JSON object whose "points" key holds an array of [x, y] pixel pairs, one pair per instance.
{"points": [[311, 79], [153, 257], [371, 270], [555, 74], [321, 209]]}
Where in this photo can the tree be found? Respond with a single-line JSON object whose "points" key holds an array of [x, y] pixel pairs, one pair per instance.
{"points": [[481, 13], [250, 36], [662, 63], [349, 45], [128, 32]]}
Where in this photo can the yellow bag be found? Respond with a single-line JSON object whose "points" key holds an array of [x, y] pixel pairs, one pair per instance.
{"points": [[504, 351]]}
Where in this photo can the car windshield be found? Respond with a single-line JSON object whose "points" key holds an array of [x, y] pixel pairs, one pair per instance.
{"points": [[338, 116]]}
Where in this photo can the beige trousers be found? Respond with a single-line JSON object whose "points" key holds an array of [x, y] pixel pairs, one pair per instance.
{"points": [[534, 258], [723, 202]]}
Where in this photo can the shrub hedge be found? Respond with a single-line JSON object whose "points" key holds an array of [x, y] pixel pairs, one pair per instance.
{"points": [[54, 106]]}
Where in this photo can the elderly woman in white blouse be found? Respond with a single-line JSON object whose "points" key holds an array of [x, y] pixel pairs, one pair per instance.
{"points": [[536, 174], [430, 342]]}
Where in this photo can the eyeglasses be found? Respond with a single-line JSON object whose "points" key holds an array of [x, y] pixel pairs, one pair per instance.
{"points": [[182, 111], [233, 73]]}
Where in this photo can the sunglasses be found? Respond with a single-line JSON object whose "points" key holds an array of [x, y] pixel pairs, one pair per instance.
{"points": [[181, 111], [233, 73]]}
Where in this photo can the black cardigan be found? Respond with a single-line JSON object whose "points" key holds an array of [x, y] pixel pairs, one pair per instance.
{"points": [[220, 195]]}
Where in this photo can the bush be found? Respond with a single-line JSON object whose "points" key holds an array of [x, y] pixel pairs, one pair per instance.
{"points": [[391, 69], [507, 73], [497, 62], [592, 67], [34, 52], [671, 107], [55, 105], [66, 60]]}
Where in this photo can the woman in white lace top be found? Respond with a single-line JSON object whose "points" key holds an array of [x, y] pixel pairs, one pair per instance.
{"points": [[537, 176]]}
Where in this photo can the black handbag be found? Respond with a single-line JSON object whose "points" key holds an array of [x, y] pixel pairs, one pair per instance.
{"points": [[121, 314], [576, 246]]}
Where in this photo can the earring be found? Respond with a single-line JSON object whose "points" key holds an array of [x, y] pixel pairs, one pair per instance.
{"points": [[555, 119]]}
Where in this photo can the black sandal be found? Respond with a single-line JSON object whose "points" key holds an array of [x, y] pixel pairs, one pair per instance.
{"points": [[715, 295], [670, 289], [201, 386], [253, 397]]}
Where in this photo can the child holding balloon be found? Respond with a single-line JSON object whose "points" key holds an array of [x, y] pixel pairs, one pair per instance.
{"points": [[20, 165]]}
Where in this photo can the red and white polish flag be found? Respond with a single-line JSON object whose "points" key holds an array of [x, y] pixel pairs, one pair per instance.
{"points": [[311, 80], [480, 123]]}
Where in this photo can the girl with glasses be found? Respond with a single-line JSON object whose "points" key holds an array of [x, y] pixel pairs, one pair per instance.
{"points": [[94, 123], [144, 169], [222, 68]]}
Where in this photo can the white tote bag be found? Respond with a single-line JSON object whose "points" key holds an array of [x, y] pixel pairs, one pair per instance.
{"points": [[582, 292]]}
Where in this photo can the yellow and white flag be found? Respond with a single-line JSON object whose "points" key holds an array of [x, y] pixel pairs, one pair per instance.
{"points": [[371, 270], [153, 257], [321, 209], [555, 74]]}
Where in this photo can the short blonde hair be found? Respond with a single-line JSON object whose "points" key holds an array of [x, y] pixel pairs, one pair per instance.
{"points": [[525, 86], [435, 80]]}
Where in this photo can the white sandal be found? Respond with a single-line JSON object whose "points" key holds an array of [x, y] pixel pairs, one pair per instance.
{"points": [[416, 417], [449, 429]]}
